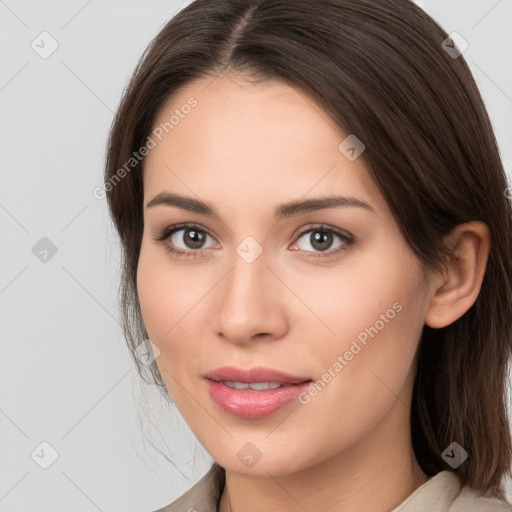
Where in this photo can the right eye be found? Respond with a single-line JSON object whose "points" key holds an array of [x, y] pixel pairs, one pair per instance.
{"points": [[191, 236]]}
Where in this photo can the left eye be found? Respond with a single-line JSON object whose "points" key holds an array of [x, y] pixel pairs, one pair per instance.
{"points": [[321, 240]]}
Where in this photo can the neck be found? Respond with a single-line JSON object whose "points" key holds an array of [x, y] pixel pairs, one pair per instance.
{"points": [[378, 474]]}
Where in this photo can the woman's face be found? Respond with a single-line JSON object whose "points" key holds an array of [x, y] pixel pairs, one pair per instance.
{"points": [[329, 294]]}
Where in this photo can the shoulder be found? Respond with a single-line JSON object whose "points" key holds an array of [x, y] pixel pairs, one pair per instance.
{"points": [[204, 496], [441, 493], [471, 501], [444, 493]]}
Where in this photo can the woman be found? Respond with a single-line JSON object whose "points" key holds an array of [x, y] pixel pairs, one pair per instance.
{"points": [[317, 240]]}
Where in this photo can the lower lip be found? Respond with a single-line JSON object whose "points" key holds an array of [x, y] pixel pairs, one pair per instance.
{"points": [[251, 404]]}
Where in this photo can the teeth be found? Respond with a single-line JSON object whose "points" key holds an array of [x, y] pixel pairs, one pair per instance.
{"points": [[256, 386], [259, 386]]}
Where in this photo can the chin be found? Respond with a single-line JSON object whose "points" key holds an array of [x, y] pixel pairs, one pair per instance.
{"points": [[275, 464]]}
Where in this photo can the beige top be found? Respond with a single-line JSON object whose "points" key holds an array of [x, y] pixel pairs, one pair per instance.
{"points": [[442, 493]]}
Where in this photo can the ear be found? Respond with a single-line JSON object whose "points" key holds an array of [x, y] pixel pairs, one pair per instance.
{"points": [[456, 290]]}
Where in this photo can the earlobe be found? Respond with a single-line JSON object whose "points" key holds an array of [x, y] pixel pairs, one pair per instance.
{"points": [[456, 291]]}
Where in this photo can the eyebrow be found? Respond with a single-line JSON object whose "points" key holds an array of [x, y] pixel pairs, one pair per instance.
{"points": [[288, 209]]}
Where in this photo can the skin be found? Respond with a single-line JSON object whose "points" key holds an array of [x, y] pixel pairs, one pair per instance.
{"points": [[244, 149]]}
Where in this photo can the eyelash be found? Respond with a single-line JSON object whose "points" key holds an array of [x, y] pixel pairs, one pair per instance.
{"points": [[347, 240]]}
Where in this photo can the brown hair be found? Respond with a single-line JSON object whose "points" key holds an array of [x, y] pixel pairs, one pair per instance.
{"points": [[380, 71]]}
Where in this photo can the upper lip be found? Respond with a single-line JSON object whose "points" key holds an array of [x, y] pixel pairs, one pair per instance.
{"points": [[256, 374]]}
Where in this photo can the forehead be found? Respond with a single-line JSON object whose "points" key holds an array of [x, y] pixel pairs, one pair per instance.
{"points": [[256, 139], [249, 107]]}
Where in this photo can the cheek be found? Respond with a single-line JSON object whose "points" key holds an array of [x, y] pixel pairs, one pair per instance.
{"points": [[377, 316], [160, 309], [159, 297], [150, 290], [375, 294], [171, 305]]}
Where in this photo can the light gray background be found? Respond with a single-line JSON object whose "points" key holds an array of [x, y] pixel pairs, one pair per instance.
{"points": [[65, 375]]}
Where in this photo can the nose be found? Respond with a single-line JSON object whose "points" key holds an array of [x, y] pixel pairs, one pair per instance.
{"points": [[250, 303]]}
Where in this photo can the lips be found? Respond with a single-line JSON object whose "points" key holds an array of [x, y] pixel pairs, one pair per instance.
{"points": [[257, 374], [253, 393]]}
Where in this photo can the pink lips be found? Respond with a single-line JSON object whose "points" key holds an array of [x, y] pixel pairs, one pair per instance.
{"points": [[248, 403]]}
